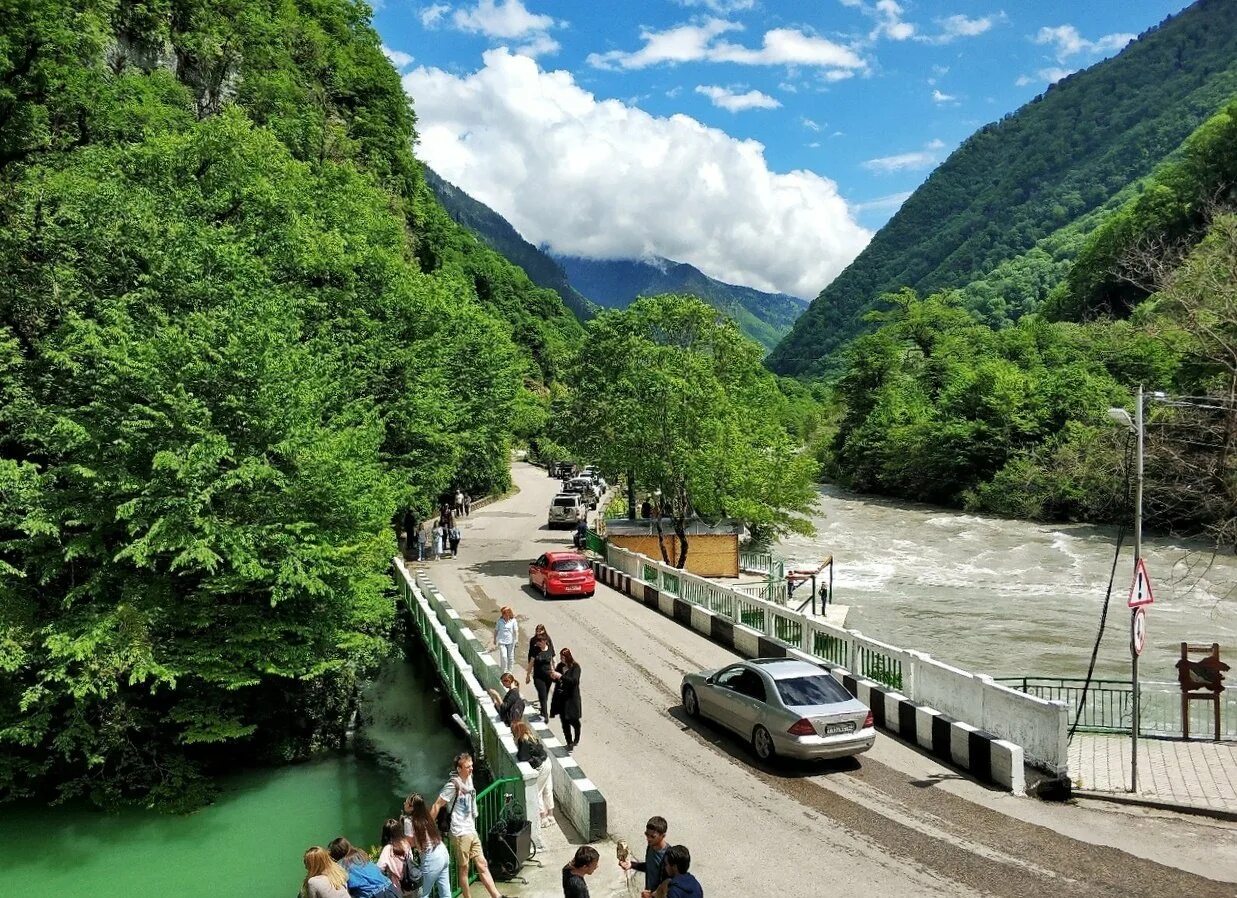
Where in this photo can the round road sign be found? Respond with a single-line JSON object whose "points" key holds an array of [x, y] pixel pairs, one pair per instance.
{"points": [[1138, 631]]}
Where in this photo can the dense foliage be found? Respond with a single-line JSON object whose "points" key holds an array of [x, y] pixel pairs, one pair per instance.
{"points": [[688, 409], [238, 338], [1015, 182]]}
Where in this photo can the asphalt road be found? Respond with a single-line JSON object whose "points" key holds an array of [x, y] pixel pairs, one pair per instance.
{"points": [[894, 821]]}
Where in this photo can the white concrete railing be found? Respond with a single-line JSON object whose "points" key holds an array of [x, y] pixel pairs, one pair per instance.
{"points": [[1039, 726]]}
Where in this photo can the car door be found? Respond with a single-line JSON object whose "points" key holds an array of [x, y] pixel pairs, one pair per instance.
{"points": [[536, 572], [751, 697], [724, 696]]}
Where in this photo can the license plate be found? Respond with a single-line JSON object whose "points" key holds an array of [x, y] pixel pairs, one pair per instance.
{"points": [[835, 729], [572, 587]]}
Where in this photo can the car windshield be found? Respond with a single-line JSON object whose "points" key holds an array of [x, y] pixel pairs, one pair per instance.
{"points": [[570, 564], [812, 690], [565, 503]]}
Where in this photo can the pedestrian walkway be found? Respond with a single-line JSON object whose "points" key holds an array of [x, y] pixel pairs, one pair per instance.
{"points": [[1192, 774]]}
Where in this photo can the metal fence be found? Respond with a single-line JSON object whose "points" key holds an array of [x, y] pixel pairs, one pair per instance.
{"points": [[763, 563], [1109, 706], [490, 803]]}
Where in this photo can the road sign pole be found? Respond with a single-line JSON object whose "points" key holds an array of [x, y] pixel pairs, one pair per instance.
{"points": [[1138, 554]]}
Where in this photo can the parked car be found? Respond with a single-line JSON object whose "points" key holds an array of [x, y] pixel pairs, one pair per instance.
{"points": [[566, 510], [584, 486], [783, 707], [562, 574]]}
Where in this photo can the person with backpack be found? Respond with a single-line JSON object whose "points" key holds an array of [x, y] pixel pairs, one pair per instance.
{"points": [[453, 536], [365, 880], [426, 839], [398, 861], [459, 799], [531, 749]]}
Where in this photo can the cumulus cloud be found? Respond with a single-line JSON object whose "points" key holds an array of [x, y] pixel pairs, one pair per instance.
{"points": [[501, 18], [919, 159], [432, 15], [1067, 41], [939, 97], [731, 101], [701, 42], [888, 19], [957, 26], [721, 7], [399, 58], [602, 179]]}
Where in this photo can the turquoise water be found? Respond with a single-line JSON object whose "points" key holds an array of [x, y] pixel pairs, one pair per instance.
{"points": [[250, 841]]}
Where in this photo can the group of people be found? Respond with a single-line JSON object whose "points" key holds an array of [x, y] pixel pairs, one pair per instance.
{"points": [[666, 867], [546, 669]]}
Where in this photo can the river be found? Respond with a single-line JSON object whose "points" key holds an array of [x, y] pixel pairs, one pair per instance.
{"points": [[1015, 598], [250, 840]]}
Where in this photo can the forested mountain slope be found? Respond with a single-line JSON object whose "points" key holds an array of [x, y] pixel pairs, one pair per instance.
{"points": [[765, 317], [239, 339], [1017, 181], [498, 233]]}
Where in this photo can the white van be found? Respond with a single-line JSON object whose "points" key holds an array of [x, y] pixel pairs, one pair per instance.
{"points": [[566, 510]]}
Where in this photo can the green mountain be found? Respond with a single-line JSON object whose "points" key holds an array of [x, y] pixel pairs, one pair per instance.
{"points": [[498, 233], [765, 317], [1060, 162]]}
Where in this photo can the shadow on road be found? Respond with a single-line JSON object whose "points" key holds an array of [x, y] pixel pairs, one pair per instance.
{"points": [[498, 568], [728, 743]]}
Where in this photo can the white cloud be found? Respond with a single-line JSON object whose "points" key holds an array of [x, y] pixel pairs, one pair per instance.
{"points": [[938, 97], [1044, 76], [502, 19], [721, 7], [399, 58], [727, 99], [889, 22], [1067, 42], [539, 45], [888, 203], [701, 43], [919, 159], [809, 124], [603, 179], [432, 15]]}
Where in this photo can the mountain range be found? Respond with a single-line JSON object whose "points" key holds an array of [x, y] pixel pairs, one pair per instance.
{"points": [[1003, 218], [586, 284]]}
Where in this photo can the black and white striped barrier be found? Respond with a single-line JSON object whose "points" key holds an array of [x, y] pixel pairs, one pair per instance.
{"points": [[983, 755]]}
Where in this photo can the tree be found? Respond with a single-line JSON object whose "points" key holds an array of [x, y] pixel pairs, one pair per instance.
{"points": [[670, 391]]}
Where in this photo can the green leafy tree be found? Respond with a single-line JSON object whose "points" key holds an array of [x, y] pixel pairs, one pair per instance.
{"points": [[670, 391]]}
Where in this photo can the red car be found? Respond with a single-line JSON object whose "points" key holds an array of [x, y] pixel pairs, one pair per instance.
{"points": [[562, 574]]}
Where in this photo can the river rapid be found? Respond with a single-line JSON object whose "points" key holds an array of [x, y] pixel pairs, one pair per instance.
{"points": [[250, 840], [1015, 598]]}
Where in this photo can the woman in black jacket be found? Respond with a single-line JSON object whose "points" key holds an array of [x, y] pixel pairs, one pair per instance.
{"points": [[540, 672], [566, 702]]}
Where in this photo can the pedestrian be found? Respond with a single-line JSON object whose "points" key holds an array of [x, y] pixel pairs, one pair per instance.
{"points": [[510, 705], [583, 864], [435, 858], [459, 502], [467, 504], [437, 542], [506, 636], [540, 672], [678, 882], [566, 704], [323, 877], [395, 856], [422, 544], [446, 539], [539, 630], [461, 796], [454, 535], [531, 749], [646, 509], [365, 880], [655, 850]]}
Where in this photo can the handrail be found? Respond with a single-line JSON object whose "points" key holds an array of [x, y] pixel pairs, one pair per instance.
{"points": [[488, 809]]}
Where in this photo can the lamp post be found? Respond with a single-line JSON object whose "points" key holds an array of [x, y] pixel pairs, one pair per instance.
{"points": [[1135, 426]]}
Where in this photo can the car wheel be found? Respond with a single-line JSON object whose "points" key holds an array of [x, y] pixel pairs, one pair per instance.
{"points": [[691, 704], [762, 744]]}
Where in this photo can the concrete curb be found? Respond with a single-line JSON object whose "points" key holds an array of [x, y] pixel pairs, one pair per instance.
{"points": [[1156, 804], [979, 753], [574, 793]]}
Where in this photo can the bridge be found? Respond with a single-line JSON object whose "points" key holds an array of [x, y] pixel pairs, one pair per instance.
{"points": [[897, 819]]}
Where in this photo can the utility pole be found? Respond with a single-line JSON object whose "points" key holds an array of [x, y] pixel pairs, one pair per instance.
{"points": [[1138, 554]]}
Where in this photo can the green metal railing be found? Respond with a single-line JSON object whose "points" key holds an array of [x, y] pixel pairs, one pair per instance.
{"points": [[595, 543], [879, 667], [1109, 706]]}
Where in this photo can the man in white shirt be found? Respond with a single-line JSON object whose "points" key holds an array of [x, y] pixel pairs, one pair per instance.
{"points": [[461, 796]]}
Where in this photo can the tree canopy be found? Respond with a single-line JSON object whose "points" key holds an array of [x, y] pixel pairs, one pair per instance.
{"points": [[670, 392]]}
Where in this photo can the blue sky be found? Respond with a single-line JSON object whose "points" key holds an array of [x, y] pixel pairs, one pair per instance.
{"points": [[762, 141]]}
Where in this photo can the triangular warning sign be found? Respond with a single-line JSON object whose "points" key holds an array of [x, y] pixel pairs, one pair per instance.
{"points": [[1140, 589]]}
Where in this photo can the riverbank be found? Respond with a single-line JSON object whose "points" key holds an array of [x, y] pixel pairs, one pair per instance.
{"points": [[249, 841]]}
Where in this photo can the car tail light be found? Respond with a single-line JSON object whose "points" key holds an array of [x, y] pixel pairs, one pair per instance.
{"points": [[802, 727], [869, 721]]}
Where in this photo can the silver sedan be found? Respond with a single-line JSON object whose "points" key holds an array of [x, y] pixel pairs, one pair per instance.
{"points": [[784, 707]]}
